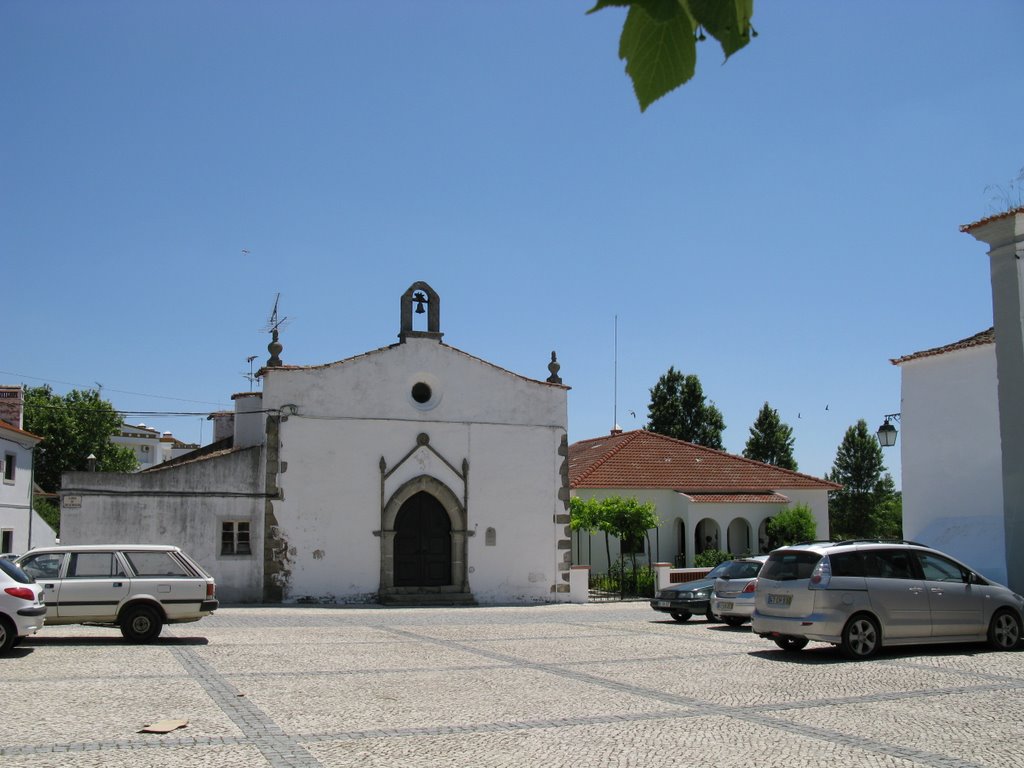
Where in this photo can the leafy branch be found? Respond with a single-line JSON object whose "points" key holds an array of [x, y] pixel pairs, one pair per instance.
{"points": [[659, 39]]}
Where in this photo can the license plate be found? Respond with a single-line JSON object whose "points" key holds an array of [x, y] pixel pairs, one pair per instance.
{"points": [[723, 606], [783, 600], [661, 603]]}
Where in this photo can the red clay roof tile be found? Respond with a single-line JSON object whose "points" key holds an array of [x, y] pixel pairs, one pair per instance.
{"points": [[642, 459], [977, 340], [987, 219]]}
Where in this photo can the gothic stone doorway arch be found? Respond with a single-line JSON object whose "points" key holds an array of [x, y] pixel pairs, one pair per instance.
{"points": [[423, 543], [416, 516]]}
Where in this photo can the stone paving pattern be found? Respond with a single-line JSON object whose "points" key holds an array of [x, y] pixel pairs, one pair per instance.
{"points": [[561, 685]]}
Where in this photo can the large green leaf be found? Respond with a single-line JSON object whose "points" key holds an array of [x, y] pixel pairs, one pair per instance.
{"points": [[728, 21], [660, 53], [659, 40]]}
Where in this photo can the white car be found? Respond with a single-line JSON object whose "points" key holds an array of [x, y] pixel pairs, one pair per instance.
{"points": [[732, 600], [136, 587], [22, 607]]}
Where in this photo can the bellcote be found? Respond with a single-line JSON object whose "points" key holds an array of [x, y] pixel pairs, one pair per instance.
{"points": [[413, 301]]}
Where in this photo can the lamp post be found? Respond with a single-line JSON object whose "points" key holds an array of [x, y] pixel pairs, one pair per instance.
{"points": [[887, 432]]}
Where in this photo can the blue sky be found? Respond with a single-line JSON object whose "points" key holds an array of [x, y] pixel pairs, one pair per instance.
{"points": [[781, 226]]}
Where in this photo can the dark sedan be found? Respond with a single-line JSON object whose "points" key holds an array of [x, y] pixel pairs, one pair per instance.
{"points": [[681, 601]]}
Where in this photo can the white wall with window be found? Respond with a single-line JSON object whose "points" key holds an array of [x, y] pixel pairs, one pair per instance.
{"points": [[20, 526]]}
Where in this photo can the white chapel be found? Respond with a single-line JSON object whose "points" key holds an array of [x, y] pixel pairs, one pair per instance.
{"points": [[411, 473]]}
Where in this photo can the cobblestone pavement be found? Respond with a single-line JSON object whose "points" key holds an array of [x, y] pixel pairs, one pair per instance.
{"points": [[567, 685]]}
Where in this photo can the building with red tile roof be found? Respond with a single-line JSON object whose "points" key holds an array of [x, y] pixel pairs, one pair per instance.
{"points": [[704, 498]]}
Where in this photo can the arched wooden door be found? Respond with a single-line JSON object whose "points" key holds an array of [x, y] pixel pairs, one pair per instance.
{"points": [[423, 543]]}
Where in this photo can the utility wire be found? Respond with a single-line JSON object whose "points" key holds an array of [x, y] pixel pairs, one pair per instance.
{"points": [[110, 389]]}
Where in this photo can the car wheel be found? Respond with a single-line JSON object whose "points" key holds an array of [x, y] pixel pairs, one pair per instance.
{"points": [[140, 624], [681, 615], [791, 643], [1004, 630], [8, 634], [861, 637], [734, 621]]}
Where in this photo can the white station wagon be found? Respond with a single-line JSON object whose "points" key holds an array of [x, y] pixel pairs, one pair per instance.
{"points": [[136, 587]]}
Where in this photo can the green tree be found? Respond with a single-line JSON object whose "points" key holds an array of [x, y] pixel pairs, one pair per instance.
{"points": [[771, 441], [679, 409], [791, 526], [888, 517], [629, 521], [659, 39], [585, 515], [49, 511], [72, 427], [854, 509]]}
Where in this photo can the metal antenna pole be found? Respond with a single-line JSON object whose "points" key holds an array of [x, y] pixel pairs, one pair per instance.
{"points": [[615, 375]]}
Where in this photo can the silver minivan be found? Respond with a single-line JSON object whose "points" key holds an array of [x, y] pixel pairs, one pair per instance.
{"points": [[861, 595]]}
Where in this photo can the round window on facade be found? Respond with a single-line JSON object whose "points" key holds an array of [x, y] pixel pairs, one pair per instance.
{"points": [[421, 392], [424, 391]]}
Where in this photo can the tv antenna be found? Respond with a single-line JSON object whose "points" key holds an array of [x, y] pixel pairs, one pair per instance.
{"points": [[251, 375], [275, 323]]}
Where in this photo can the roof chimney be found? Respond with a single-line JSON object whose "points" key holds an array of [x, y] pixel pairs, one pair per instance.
{"points": [[12, 403], [250, 421]]}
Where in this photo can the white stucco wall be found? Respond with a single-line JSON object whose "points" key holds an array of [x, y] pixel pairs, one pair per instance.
{"points": [[14, 500], [951, 460], [183, 506], [344, 418]]}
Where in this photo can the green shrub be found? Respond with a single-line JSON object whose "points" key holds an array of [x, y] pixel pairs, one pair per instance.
{"points": [[791, 526], [709, 558], [624, 580]]}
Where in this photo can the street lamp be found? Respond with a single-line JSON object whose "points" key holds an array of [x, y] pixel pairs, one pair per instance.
{"points": [[887, 432]]}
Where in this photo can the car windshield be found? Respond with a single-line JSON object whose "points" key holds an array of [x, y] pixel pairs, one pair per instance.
{"points": [[15, 572], [741, 569], [790, 565]]}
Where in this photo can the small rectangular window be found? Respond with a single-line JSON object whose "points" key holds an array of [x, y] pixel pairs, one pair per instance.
{"points": [[7, 540], [234, 538], [9, 463]]}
